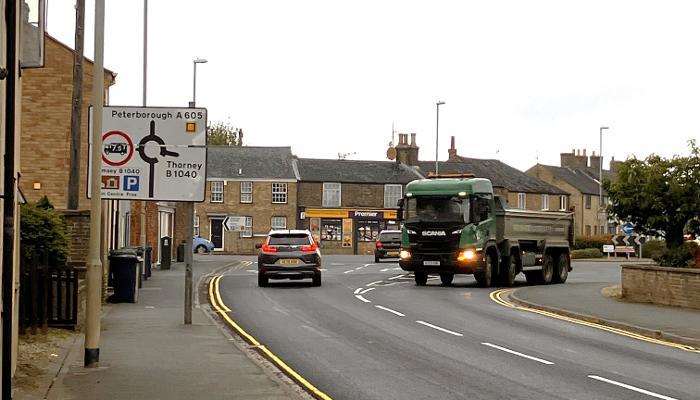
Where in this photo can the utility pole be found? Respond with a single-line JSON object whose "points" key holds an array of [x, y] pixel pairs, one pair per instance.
{"points": [[94, 264], [437, 132], [77, 107], [142, 203]]}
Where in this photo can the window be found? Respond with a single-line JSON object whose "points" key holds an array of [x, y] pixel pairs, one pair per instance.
{"points": [[217, 192], [562, 202], [521, 200], [595, 229], [278, 223], [196, 225], [279, 192], [602, 229], [588, 202], [588, 230], [392, 194], [246, 192], [367, 231], [331, 229], [545, 202], [248, 231], [331, 195]]}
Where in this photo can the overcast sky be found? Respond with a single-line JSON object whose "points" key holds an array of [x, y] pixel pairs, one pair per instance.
{"points": [[520, 79]]}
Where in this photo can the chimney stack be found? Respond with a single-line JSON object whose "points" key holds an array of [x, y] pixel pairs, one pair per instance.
{"points": [[595, 161], [452, 152], [614, 165], [407, 153]]}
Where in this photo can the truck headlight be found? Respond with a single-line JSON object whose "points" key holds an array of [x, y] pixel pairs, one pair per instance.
{"points": [[405, 255], [411, 231], [466, 255]]}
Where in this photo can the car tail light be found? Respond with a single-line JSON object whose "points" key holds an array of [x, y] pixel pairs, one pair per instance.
{"points": [[379, 245], [268, 249], [310, 248]]}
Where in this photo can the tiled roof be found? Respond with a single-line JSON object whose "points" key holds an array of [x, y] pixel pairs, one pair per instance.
{"points": [[354, 171], [585, 180], [249, 162]]}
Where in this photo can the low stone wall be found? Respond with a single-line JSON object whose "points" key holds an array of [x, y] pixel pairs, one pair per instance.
{"points": [[660, 285]]}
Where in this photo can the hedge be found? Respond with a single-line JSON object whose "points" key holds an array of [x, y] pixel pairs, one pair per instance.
{"points": [[592, 242], [586, 253]]}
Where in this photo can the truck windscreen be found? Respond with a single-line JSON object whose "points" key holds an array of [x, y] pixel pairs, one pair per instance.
{"points": [[437, 208]]}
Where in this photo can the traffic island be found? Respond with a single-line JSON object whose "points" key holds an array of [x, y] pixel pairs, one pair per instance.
{"points": [[678, 287]]}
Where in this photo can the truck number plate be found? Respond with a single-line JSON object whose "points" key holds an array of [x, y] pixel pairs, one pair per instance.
{"points": [[429, 262]]}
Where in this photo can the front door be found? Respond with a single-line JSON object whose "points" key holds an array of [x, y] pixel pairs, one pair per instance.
{"points": [[217, 232]]}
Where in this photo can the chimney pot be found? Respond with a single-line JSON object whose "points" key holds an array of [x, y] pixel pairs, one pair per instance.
{"points": [[413, 140], [584, 152]]}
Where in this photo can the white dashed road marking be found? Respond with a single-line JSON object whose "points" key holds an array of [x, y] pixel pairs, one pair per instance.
{"points": [[630, 387], [391, 311], [539, 360], [440, 328]]}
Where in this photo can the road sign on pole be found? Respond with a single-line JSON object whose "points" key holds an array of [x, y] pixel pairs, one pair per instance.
{"points": [[628, 229], [153, 153], [234, 224]]}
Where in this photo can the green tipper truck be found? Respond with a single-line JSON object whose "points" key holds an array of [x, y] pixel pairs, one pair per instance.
{"points": [[458, 226]]}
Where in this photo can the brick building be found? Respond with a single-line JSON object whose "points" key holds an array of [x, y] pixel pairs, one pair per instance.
{"points": [[258, 183], [579, 175]]}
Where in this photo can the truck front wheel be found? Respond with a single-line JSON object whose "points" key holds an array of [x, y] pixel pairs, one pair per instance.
{"points": [[484, 278], [421, 278]]}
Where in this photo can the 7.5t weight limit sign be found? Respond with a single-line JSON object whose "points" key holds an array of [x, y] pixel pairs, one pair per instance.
{"points": [[153, 153]]}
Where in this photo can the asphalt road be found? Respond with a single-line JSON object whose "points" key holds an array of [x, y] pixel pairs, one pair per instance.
{"points": [[370, 333]]}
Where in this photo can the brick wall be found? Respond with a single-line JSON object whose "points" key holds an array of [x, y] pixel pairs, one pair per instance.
{"points": [[78, 230], [659, 285], [364, 195], [46, 114], [261, 209], [151, 225]]}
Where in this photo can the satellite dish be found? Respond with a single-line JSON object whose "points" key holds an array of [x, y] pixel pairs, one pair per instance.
{"points": [[391, 153]]}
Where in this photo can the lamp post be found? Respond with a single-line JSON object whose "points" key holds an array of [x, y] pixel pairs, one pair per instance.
{"points": [[602, 215], [437, 132], [194, 80]]}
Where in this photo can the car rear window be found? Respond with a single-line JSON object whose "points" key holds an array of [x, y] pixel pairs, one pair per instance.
{"points": [[390, 237], [289, 240]]}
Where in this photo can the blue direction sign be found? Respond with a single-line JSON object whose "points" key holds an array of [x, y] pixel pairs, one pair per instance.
{"points": [[628, 229]]}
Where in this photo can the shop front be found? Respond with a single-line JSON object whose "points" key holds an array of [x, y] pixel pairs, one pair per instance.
{"points": [[348, 231]]}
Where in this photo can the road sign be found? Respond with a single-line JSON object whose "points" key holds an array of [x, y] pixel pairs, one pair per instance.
{"points": [[608, 248], [628, 229], [153, 153], [234, 224]]}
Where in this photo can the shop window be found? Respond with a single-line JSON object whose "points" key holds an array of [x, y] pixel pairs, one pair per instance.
{"points": [[331, 229], [246, 192], [331, 194], [279, 193], [368, 231]]}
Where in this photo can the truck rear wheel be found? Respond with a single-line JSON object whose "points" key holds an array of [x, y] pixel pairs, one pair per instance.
{"points": [[485, 278], [508, 271], [547, 271], [561, 272], [421, 278], [446, 279]]}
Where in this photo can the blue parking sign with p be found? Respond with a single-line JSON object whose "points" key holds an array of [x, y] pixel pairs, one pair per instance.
{"points": [[131, 183]]}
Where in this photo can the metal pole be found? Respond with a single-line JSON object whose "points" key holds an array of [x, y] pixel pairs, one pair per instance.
{"points": [[9, 190], [94, 264], [189, 227], [142, 219], [194, 84], [437, 132]]}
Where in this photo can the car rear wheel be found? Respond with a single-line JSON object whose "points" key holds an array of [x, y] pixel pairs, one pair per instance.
{"points": [[201, 249], [421, 278], [376, 259], [262, 280], [316, 280]]}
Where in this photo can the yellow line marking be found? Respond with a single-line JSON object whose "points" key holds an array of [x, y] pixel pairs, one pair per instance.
{"points": [[496, 297], [215, 299]]}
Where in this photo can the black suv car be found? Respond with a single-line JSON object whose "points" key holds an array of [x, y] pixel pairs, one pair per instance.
{"points": [[388, 245], [289, 254]]}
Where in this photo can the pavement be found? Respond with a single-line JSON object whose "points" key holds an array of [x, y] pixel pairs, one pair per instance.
{"points": [[147, 352], [586, 301]]}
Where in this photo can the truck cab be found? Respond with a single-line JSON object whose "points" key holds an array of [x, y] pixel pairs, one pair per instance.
{"points": [[458, 226]]}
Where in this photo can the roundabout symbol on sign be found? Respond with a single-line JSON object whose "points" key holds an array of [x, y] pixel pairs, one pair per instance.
{"points": [[117, 148]]}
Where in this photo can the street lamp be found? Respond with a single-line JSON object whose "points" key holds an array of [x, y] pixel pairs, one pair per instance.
{"points": [[437, 132], [194, 81], [602, 215]]}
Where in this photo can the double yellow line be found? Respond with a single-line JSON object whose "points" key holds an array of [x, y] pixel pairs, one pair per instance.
{"points": [[496, 296], [223, 310]]}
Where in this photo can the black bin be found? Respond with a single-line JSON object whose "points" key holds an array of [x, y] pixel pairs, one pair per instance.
{"points": [[181, 252], [123, 268], [147, 260], [166, 252]]}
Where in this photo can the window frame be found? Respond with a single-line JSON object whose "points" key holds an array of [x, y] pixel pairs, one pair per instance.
{"points": [[279, 193], [325, 201], [272, 224], [545, 202], [212, 192], [248, 231], [195, 225], [246, 192], [522, 204], [388, 203], [588, 201], [562, 202]]}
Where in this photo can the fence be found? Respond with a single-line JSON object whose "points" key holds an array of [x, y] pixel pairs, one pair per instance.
{"points": [[48, 295]]}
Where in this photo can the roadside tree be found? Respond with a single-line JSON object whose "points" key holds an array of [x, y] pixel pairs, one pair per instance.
{"points": [[224, 134], [660, 196]]}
